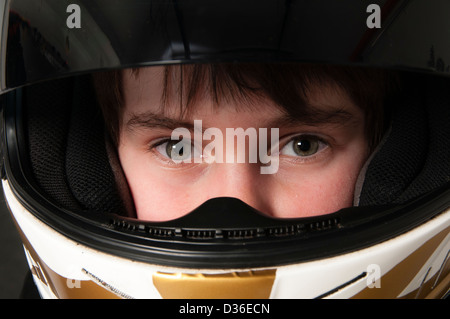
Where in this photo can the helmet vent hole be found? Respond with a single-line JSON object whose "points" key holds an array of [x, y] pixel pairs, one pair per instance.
{"points": [[283, 231], [323, 224], [199, 234], [240, 233]]}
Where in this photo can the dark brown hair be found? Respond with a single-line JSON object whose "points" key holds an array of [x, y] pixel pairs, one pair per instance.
{"points": [[288, 85]]}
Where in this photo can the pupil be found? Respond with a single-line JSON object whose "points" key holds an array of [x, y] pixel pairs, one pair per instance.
{"points": [[180, 151], [303, 145]]}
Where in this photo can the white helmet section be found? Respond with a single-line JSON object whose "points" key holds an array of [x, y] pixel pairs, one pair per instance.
{"points": [[411, 265]]}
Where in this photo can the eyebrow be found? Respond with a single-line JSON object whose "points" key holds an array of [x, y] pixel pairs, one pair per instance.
{"points": [[338, 117], [152, 120], [333, 116]]}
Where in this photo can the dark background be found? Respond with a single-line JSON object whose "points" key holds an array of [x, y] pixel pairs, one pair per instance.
{"points": [[13, 265]]}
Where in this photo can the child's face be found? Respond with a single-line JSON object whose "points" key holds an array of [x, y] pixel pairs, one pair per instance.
{"points": [[316, 164]]}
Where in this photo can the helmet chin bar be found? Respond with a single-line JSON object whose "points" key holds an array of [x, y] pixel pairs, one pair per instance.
{"points": [[226, 229], [227, 233], [412, 265]]}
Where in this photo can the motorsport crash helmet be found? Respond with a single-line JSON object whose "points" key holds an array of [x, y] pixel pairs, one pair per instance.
{"points": [[63, 183]]}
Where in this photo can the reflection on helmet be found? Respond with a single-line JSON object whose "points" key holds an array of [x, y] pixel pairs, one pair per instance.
{"points": [[76, 203]]}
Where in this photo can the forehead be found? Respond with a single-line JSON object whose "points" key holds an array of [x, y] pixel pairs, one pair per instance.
{"points": [[152, 90], [144, 89]]}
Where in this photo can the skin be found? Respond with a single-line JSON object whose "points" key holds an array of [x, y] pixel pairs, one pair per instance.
{"points": [[316, 182]]}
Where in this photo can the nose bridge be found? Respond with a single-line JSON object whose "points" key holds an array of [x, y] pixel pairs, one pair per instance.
{"points": [[241, 146], [236, 169], [238, 176], [242, 181]]}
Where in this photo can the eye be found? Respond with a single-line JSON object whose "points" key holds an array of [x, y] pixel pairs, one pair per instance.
{"points": [[303, 146], [177, 151]]}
